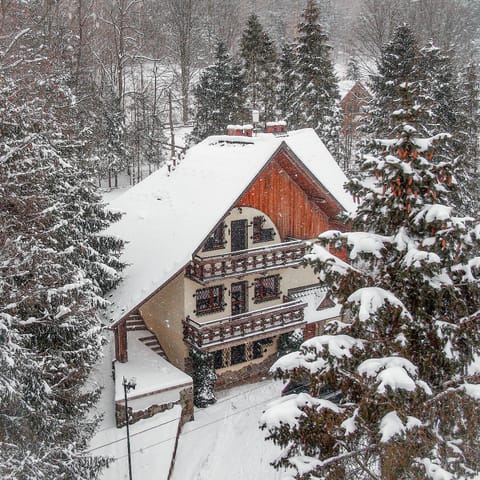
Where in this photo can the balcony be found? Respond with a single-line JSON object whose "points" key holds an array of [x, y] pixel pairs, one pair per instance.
{"points": [[241, 262], [257, 323]]}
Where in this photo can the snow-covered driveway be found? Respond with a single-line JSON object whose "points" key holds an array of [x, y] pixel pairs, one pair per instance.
{"points": [[224, 441]]}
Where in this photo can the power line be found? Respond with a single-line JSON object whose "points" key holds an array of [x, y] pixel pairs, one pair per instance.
{"points": [[146, 447], [132, 435]]}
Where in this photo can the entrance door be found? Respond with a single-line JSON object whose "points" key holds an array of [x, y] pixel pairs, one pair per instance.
{"points": [[239, 297], [239, 235]]}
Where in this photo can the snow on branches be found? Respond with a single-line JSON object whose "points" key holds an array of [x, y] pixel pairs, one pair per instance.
{"points": [[404, 355]]}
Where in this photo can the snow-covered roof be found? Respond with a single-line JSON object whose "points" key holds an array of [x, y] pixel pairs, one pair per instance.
{"points": [[344, 86], [169, 214], [152, 373]]}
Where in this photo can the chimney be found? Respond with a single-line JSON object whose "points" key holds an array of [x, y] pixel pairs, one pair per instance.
{"points": [[278, 127], [240, 130]]}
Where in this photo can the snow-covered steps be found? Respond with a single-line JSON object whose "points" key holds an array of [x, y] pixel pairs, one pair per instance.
{"points": [[152, 343], [135, 322]]}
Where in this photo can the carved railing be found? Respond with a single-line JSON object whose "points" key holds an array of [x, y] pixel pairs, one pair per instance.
{"points": [[284, 316], [247, 261]]}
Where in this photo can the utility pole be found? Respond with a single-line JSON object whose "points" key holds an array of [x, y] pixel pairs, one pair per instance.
{"points": [[128, 385]]}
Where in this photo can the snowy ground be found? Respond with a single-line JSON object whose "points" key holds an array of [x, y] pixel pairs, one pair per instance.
{"points": [[224, 441], [152, 439]]}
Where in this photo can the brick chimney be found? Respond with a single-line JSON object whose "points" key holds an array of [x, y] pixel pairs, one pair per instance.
{"points": [[240, 130], [276, 128]]}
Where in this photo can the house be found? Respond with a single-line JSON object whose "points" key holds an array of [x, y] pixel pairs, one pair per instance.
{"points": [[215, 250], [353, 104]]}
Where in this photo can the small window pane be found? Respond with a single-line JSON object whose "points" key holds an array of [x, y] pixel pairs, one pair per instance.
{"points": [[257, 350], [238, 354], [261, 234], [218, 359], [216, 240], [209, 300], [267, 288]]}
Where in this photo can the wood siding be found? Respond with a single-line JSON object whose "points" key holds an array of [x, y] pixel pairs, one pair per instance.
{"points": [[296, 204]]}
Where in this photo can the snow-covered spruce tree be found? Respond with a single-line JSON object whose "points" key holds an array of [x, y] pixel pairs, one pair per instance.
{"points": [[441, 98], [406, 354], [112, 151], [260, 65], [468, 123], [353, 69], [317, 93], [54, 265], [219, 96], [398, 63], [288, 84]]}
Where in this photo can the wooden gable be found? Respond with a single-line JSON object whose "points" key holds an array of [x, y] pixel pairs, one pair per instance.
{"points": [[288, 193]]}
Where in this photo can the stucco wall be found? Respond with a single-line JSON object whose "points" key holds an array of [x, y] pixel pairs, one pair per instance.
{"points": [[163, 314], [242, 213]]}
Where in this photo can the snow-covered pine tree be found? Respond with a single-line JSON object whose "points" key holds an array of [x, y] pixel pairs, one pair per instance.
{"points": [[317, 97], [219, 96], [112, 151], [468, 129], [353, 69], [398, 63], [54, 265], [406, 354], [260, 65], [288, 84]]}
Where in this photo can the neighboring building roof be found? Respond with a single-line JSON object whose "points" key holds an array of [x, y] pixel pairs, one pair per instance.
{"points": [[344, 86], [358, 93], [168, 215]]}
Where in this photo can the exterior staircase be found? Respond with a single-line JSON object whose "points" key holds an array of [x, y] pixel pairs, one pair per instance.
{"points": [[135, 323], [151, 342]]}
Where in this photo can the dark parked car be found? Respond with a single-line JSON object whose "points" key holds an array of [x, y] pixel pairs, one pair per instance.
{"points": [[324, 392]]}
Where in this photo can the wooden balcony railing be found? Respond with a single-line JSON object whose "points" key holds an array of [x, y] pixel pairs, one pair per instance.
{"points": [[283, 317], [247, 261]]}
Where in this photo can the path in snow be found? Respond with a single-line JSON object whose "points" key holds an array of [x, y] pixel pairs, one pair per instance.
{"points": [[224, 441]]}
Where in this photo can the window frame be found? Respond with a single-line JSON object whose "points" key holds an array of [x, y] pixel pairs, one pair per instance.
{"points": [[213, 298], [238, 354], [262, 292], [260, 234], [216, 241]]}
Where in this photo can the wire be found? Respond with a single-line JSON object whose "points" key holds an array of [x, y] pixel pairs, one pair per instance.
{"points": [[223, 400], [131, 435], [199, 427]]}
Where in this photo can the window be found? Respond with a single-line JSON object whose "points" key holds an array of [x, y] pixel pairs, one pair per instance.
{"points": [[239, 229], [261, 234], [216, 241], [209, 300], [257, 350], [239, 297], [267, 288], [218, 361], [238, 354]]}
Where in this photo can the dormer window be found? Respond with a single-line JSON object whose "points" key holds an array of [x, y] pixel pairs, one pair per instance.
{"points": [[216, 241], [261, 234]]}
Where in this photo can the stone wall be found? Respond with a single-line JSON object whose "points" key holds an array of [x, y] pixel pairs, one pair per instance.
{"points": [[185, 401], [250, 373]]}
